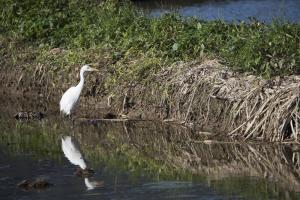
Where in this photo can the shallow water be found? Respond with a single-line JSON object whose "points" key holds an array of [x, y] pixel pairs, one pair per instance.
{"points": [[139, 160], [228, 10]]}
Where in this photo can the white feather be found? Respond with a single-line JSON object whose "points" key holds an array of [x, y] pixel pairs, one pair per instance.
{"points": [[72, 152], [70, 98]]}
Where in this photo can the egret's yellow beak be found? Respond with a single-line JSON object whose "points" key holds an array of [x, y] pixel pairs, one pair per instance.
{"points": [[94, 69], [92, 65]]}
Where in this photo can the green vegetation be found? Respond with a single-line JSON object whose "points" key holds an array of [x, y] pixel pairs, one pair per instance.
{"points": [[127, 34]]}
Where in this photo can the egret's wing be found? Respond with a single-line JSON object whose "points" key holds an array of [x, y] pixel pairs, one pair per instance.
{"points": [[67, 96], [69, 99], [72, 152]]}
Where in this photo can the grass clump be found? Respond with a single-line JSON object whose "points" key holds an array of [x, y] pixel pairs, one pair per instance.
{"points": [[127, 32]]}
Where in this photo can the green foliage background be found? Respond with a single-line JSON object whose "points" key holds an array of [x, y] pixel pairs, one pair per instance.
{"points": [[265, 49]]}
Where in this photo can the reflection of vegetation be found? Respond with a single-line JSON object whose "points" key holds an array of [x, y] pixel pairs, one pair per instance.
{"points": [[118, 26], [227, 165], [42, 142], [262, 189], [178, 148], [166, 153]]}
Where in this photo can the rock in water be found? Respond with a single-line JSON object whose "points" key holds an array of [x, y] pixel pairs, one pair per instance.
{"points": [[40, 184], [37, 184]]}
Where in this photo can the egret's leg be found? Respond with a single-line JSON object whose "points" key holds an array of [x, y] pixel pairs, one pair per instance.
{"points": [[72, 133], [72, 120], [62, 116]]}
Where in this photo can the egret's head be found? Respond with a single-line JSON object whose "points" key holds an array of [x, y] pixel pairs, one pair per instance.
{"points": [[87, 68]]}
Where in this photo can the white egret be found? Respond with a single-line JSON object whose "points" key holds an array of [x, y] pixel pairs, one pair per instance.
{"points": [[70, 98], [72, 151]]}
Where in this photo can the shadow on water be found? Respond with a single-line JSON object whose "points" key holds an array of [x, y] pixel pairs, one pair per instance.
{"points": [[140, 160], [227, 10]]}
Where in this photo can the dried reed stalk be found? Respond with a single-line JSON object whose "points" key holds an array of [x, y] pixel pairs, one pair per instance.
{"points": [[256, 108]]}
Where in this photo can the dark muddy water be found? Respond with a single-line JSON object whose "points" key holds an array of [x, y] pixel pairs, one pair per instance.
{"points": [[228, 10], [137, 160]]}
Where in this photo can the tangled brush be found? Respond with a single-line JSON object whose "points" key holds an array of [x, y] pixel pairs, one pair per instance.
{"points": [[244, 105]]}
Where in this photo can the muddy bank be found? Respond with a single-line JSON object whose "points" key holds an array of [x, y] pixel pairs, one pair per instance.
{"points": [[200, 94]]}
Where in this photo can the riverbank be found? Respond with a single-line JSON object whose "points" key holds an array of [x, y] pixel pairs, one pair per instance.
{"points": [[231, 79]]}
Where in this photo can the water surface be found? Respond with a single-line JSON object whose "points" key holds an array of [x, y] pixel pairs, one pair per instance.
{"points": [[139, 160], [228, 10]]}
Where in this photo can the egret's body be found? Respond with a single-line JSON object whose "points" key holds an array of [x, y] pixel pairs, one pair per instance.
{"points": [[72, 152], [70, 98]]}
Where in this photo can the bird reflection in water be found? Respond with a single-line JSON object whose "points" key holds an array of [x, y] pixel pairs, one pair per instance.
{"points": [[73, 153]]}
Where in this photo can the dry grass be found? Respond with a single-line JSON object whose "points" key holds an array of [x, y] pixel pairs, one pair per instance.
{"points": [[245, 105], [202, 93]]}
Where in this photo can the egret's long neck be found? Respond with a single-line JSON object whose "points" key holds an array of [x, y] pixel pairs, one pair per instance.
{"points": [[81, 82]]}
